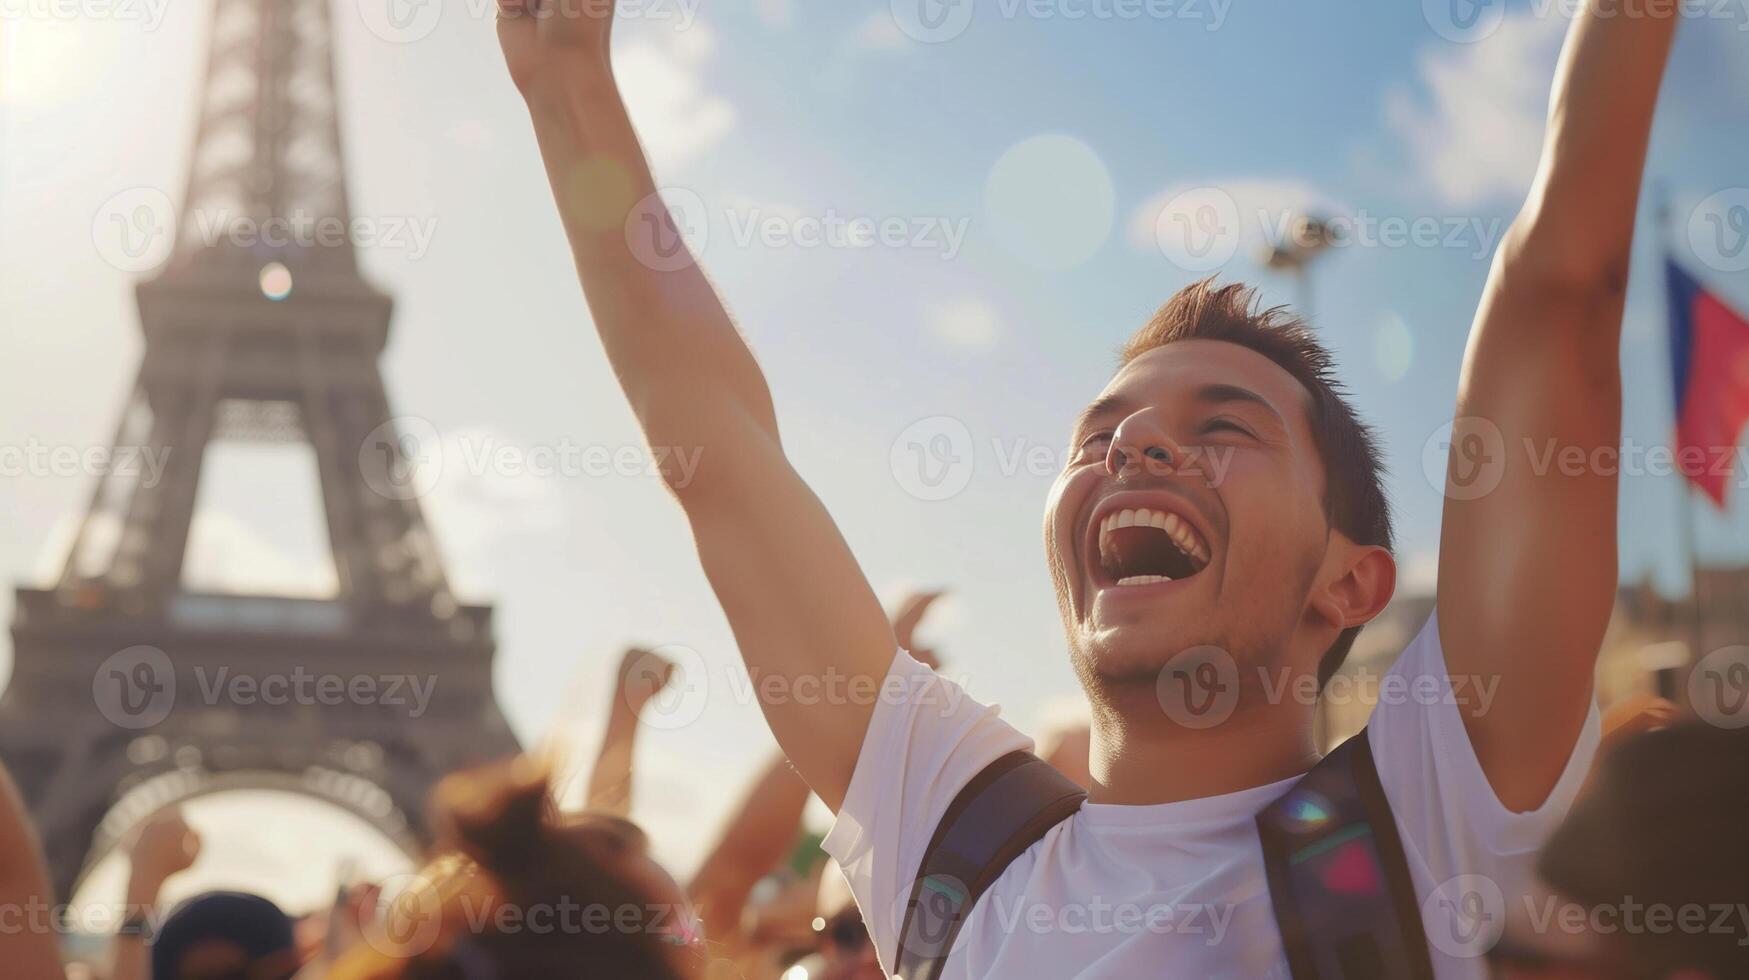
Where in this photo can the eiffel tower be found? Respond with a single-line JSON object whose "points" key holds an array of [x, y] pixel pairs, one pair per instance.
{"points": [[129, 692]]}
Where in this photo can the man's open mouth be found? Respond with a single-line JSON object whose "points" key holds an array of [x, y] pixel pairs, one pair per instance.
{"points": [[1146, 546]]}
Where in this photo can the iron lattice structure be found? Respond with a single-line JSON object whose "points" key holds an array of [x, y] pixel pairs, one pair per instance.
{"points": [[110, 713]]}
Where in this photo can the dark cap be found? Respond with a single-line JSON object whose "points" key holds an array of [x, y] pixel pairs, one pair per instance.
{"points": [[252, 923]]}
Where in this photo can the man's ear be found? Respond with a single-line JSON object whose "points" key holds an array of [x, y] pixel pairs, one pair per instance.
{"points": [[1362, 583]]}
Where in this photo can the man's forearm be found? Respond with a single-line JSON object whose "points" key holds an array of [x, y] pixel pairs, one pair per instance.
{"points": [[1580, 214], [679, 358]]}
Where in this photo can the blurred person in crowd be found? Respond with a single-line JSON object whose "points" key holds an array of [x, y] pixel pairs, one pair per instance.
{"points": [[1220, 498], [1650, 870], [224, 936], [1636, 714], [327, 934], [214, 936], [520, 893], [779, 920], [642, 676], [758, 835], [29, 949], [843, 949]]}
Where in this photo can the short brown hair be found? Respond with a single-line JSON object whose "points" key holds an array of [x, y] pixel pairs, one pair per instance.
{"points": [[1354, 492]]}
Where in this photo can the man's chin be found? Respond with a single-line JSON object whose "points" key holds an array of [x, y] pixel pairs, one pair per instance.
{"points": [[1128, 653]]}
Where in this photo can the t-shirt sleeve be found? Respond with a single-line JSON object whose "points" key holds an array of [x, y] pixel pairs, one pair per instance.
{"points": [[926, 741], [1466, 849]]}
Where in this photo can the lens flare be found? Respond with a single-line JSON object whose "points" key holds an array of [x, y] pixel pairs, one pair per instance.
{"points": [[276, 281]]}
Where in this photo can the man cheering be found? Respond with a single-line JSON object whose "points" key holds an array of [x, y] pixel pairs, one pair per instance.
{"points": [[1267, 571]]}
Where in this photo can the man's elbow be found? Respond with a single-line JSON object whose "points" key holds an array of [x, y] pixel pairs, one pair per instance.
{"points": [[1555, 263], [688, 441]]}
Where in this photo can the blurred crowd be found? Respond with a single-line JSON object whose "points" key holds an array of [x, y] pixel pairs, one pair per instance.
{"points": [[516, 889]]}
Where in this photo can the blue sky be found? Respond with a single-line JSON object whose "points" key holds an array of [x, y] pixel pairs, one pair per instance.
{"points": [[1052, 143]]}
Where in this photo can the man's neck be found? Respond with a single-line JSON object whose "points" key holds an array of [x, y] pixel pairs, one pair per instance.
{"points": [[1152, 760]]}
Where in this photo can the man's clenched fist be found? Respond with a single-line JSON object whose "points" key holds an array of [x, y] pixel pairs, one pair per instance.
{"points": [[555, 45]]}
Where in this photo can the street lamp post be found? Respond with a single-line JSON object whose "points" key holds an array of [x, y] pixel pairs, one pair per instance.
{"points": [[1308, 238]]}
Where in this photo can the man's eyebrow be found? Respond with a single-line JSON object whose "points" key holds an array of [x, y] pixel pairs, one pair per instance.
{"points": [[1219, 393], [1108, 404]]}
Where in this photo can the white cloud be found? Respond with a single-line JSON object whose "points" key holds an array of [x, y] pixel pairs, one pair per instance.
{"points": [[1475, 135], [879, 32], [969, 324], [661, 73]]}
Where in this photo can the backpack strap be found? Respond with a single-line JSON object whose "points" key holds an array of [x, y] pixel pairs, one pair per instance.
{"points": [[1338, 878], [1004, 810]]}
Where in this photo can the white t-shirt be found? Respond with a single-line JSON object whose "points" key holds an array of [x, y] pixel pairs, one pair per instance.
{"points": [[1177, 889]]}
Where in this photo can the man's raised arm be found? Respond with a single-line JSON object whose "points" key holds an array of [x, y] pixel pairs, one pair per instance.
{"points": [[794, 596], [1527, 564]]}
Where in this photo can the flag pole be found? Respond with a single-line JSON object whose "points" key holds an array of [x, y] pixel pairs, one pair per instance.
{"points": [[1666, 677]]}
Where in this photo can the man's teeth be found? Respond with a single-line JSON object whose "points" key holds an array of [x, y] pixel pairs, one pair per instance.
{"points": [[1177, 529], [1142, 579]]}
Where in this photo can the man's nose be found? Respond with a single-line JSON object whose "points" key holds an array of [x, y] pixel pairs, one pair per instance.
{"points": [[1141, 444]]}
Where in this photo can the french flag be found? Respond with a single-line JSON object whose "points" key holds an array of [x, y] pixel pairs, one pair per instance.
{"points": [[1709, 352]]}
